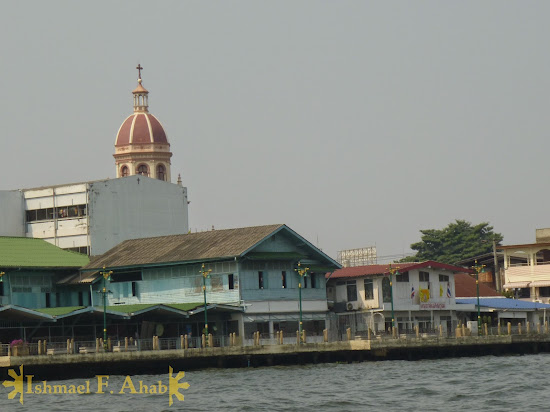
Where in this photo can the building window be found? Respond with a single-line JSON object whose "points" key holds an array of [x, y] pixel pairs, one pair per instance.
{"points": [[351, 286], [305, 282], [48, 301], [283, 279], [2, 289], [143, 170], [443, 278], [161, 172], [424, 276], [124, 171], [403, 277], [260, 280], [134, 288], [80, 299], [524, 293], [230, 281], [313, 281], [369, 289], [544, 292], [59, 212]]}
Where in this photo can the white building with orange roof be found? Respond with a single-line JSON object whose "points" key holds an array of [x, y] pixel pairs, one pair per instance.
{"points": [[418, 294]]}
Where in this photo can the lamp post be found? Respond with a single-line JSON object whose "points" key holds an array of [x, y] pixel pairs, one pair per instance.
{"points": [[2, 280], [392, 271], [478, 269], [205, 273], [106, 276], [302, 272]]}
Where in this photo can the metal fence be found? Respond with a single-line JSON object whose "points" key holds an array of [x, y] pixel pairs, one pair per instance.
{"points": [[76, 347]]}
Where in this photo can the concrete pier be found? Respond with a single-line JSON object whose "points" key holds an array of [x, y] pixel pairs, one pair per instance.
{"points": [[157, 361]]}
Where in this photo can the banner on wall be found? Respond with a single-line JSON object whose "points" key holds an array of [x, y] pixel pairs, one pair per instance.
{"points": [[424, 295]]}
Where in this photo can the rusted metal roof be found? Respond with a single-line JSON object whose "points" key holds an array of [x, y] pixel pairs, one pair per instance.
{"points": [[465, 287], [357, 271], [200, 246], [79, 278]]}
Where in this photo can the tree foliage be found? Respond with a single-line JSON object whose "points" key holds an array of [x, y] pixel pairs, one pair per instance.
{"points": [[459, 240]]}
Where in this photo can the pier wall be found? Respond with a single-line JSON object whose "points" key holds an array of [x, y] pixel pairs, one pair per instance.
{"points": [[158, 361]]}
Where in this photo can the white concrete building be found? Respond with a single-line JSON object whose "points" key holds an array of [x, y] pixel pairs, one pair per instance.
{"points": [[423, 296], [92, 217]]}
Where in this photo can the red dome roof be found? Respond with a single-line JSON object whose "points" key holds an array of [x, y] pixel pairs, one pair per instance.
{"points": [[140, 128]]}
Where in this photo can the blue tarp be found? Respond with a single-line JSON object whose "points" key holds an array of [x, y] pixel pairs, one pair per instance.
{"points": [[503, 303]]}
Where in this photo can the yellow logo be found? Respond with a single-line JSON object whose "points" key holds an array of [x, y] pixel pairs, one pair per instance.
{"points": [[128, 386], [17, 384], [175, 386]]}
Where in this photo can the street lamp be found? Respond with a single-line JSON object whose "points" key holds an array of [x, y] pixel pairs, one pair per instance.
{"points": [[302, 272], [392, 271], [478, 269], [106, 276], [205, 273]]}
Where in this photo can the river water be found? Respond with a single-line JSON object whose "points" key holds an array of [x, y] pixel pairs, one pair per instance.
{"points": [[507, 383]]}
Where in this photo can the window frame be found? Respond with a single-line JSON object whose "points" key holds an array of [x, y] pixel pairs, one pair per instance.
{"points": [[422, 274], [351, 286], [369, 282]]}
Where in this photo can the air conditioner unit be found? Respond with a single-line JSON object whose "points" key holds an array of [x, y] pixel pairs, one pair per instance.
{"points": [[352, 306]]}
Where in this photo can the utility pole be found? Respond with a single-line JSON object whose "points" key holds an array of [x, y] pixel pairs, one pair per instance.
{"points": [[497, 270]]}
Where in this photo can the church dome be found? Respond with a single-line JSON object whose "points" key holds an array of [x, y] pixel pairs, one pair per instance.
{"points": [[141, 145], [141, 128]]}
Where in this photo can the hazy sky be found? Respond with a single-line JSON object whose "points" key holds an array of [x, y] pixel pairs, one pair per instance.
{"points": [[354, 122]]}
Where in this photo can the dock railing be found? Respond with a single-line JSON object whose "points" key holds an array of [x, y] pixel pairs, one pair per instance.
{"points": [[78, 347]]}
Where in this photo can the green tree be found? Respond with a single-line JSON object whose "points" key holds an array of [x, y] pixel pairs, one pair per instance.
{"points": [[459, 240]]}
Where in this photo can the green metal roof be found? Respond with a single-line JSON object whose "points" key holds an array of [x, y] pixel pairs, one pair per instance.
{"points": [[59, 311], [138, 307], [23, 252]]}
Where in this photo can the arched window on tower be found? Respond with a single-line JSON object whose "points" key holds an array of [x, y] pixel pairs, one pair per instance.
{"points": [[143, 170], [161, 172], [124, 171]]}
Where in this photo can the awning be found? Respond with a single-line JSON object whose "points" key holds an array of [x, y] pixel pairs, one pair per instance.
{"points": [[516, 285], [540, 283]]}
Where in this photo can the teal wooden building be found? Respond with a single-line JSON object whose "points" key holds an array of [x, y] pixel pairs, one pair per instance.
{"points": [[252, 284], [156, 286], [29, 272]]}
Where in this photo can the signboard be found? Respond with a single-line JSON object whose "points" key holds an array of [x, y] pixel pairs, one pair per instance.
{"points": [[432, 305], [357, 257]]}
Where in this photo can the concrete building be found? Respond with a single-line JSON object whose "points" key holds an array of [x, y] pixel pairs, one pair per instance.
{"points": [[423, 296], [527, 271], [92, 217]]}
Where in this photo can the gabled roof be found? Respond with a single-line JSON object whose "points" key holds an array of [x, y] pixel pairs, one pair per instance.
{"points": [[465, 287], [358, 271], [23, 252], [192, 247], [19, 313]]}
